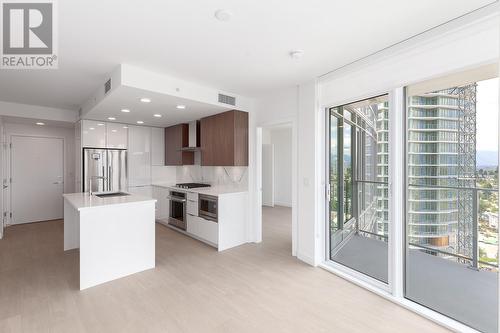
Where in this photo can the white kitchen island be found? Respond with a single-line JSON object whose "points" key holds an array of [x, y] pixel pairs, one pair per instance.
{"points": [[115, 235]]}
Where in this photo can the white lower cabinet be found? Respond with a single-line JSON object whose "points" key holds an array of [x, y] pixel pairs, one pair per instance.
{"points": [[192, 204], [162, 203], [203, 229]]}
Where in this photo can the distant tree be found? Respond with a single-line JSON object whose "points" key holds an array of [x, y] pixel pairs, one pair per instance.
{"points": [[482, 253]]}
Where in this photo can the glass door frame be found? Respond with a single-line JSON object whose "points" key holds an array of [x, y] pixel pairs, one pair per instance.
{"points": [[386, 287], [444, 319], [340, 172], [394, 290]]}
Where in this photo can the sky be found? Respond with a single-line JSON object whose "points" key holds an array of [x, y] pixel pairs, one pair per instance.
{"points": [[487, 115]]}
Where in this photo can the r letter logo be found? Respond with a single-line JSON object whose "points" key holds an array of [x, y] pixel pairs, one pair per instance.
{"points": [[28, 35]]}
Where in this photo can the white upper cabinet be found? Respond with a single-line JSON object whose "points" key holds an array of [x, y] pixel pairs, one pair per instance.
{"points": [[117, 135], [99, 134], [93, 134], [139, 156], [158, 146]]}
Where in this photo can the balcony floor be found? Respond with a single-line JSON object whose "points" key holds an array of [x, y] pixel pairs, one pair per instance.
{"points": [[448, 287]]}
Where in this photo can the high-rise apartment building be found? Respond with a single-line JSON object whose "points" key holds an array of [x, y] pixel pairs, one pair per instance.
{"points": [[441, 152]]}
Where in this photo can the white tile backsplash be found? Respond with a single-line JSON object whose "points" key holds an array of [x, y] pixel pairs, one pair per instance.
{"points": [[216, 176], [164, 174]]}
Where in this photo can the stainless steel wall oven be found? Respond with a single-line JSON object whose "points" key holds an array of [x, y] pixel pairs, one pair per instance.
{"points": [[177, 214]]}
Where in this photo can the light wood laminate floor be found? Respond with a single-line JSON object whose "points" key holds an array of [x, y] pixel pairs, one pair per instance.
{"points": [[252, 288]]}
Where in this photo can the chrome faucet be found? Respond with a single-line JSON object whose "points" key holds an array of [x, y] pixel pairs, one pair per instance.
{"points": [[90, 182]]}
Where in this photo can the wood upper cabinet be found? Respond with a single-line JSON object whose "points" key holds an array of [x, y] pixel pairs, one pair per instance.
{"points": [[177, 137], [224, 139]]}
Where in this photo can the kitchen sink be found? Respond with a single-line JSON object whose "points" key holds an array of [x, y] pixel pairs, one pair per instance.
{"points": [[112, 195]]}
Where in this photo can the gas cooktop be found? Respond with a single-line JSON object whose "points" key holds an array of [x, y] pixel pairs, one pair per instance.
{"points": [[191, 185]]}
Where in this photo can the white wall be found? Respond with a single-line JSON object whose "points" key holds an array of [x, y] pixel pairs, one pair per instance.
{"points": [[309, 156], [277, 106], [267, 174], [2, 162], [281, 139]]}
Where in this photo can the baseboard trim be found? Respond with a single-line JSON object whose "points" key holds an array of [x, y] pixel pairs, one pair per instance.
{"points": [[283, 204], [307, 259]]}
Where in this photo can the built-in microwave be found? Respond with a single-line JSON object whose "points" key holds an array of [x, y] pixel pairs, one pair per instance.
{"points": [[208, 207]]}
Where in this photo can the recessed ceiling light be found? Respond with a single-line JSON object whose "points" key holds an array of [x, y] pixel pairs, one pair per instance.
{"points": [[140, 122], [125, 127], [157, 115], [223, 15], [111, 118], [125, 110], [296, 54], [40, 123], [145, 100], [92, 128], [114, 131], [181, 106], [100, 124]]}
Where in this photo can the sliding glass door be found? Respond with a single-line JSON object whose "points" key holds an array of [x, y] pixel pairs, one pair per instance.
{"points": [[452, 199], [358, 152]]}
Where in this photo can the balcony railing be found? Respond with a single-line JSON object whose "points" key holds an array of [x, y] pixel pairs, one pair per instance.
{"points": [[474, 259]]}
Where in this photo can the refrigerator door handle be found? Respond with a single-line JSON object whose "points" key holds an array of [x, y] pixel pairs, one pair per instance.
{"points": [[103, 175], [110, 177]]}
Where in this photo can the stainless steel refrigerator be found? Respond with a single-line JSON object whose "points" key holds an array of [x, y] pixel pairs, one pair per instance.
{"points": [[106, 169]]}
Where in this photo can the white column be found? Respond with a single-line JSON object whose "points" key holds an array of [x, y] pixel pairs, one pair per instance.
{"points": [[397, 192]]}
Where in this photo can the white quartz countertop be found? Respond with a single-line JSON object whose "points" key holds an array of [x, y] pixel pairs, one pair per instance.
{"points": [[216, 190], [84, 200]]}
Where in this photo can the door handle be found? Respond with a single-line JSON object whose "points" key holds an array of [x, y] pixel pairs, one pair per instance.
{"points": [[5, 186]]}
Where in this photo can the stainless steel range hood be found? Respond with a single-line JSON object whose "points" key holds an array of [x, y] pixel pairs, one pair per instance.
{"points": [[194, 137]]}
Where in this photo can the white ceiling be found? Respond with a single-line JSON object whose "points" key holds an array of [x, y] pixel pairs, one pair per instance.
{"points": [[33, 122], [248, 55], [124, 97]]}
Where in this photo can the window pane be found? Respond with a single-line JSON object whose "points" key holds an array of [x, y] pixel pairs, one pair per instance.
{"points": [[360, 239], [347, 173], [452, 202]]}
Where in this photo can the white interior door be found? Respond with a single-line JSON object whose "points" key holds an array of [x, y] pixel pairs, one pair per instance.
{"points": [[37, 173], [268, 175]]}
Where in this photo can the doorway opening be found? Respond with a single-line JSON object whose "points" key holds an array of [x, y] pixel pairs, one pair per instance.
{"points": [[277, 184]]}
